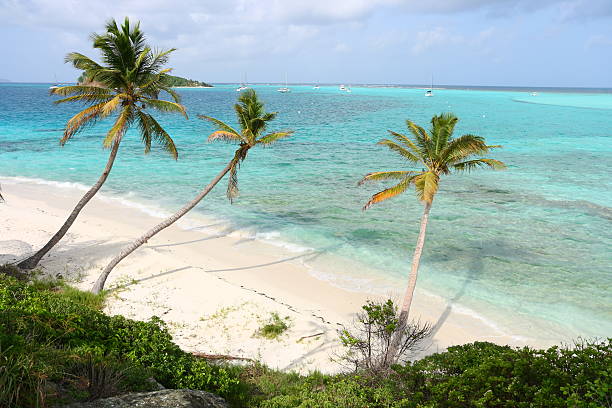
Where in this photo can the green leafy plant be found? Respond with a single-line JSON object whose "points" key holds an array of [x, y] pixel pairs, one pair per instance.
{"points": [[370, 344], [57, 349]]}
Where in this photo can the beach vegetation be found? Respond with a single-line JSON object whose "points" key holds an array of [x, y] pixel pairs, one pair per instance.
{"points": [[431, 155], [53, 344], [253, 123], [274, 327], [56, 349], [125, 86], [369, 343]]}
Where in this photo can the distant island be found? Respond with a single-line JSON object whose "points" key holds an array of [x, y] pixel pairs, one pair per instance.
{"points": [[179, 81], [173, 81], [4, 80]]}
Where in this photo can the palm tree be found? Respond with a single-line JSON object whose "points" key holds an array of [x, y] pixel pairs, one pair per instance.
{"points": [[126, 83], [253, 121], [438, 154]]}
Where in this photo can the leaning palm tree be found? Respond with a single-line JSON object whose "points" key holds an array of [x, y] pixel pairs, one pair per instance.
{"points": [[438, 154], [126, 83], [253, 121]]}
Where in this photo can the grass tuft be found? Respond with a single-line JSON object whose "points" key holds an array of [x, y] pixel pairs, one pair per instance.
{"points": [[274, 328]]}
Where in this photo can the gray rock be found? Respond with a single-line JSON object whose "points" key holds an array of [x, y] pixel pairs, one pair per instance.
{"points": [[158, 399]]}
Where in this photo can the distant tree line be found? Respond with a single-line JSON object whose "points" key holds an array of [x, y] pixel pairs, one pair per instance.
{"points": [[170, 80]]}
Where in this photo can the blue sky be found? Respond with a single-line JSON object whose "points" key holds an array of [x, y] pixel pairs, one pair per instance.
{"points": [[470, 42]]}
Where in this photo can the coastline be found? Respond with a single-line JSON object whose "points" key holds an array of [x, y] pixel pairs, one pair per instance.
{"points": [[213, 288]]}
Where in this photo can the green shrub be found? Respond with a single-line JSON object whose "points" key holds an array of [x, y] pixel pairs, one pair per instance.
{"points": [[32, 319], [57, 347], [378, 340]]}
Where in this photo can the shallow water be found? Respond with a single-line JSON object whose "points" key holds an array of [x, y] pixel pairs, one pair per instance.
{"points": [[532, 242]]}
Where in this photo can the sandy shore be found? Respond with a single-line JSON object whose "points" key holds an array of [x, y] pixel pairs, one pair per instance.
{"points": [[214, 288]]}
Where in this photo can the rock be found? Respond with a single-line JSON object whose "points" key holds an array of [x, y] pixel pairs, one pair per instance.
{"points": [[154, 384], [158, 399]]}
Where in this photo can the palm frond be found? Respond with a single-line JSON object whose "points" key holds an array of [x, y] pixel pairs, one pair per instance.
{"points": [[384, 175], [405, 140], [165, 106], [86, 98], [82, 62], [80, 90], [422, 138], [160, 58], [232, 184], [120, 126], [396, 190], [463, 147], [219, 124], [470, 165], [426, 185], [273, 137], [79, 121], [411, 157], [443, 126], [223, 136], [151, 129], [113, 104], [173, 94]]}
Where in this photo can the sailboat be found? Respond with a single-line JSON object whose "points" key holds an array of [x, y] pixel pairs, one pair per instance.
{"points": [[55, 85], [316, 86], [243, 85], [284, 89], [429, 92]]}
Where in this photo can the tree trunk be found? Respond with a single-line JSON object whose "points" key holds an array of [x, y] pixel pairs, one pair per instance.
{"points": [[414, 271], [99, 285], [32, 261], [412, 280]]}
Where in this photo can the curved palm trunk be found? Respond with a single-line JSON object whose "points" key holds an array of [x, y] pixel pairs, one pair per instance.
{"points": [[32, 261], [412, 280], [414, 271], [99, 285]]}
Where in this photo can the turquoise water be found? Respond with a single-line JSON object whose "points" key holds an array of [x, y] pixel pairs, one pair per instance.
{"points": [[530, 244]]}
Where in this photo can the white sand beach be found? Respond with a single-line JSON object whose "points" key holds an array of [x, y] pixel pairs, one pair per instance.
{"points": [[213, 288]]}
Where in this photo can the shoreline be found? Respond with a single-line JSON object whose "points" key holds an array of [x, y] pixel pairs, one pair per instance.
{"points": [[214, 288]]}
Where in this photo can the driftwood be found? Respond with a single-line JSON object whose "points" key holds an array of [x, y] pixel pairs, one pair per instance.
{"points": [[307, 337]]}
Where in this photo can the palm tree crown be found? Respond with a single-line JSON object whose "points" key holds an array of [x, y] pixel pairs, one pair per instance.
{"points": [[253, 121], [129, 80], [436, 152]]}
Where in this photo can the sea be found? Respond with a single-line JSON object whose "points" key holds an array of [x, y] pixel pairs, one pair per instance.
{"points": [[528, 249]]}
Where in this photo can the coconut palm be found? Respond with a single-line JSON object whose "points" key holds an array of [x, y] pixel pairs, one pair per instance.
{"points": [[438, 154], [253, 121], [125, 85]]}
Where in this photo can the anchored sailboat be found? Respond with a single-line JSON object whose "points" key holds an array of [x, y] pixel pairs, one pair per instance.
{"points": [[285, 88], [243, 85], [429, 92]]}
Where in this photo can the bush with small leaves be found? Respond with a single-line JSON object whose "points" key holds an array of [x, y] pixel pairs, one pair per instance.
{"points": [[369, 344]]}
